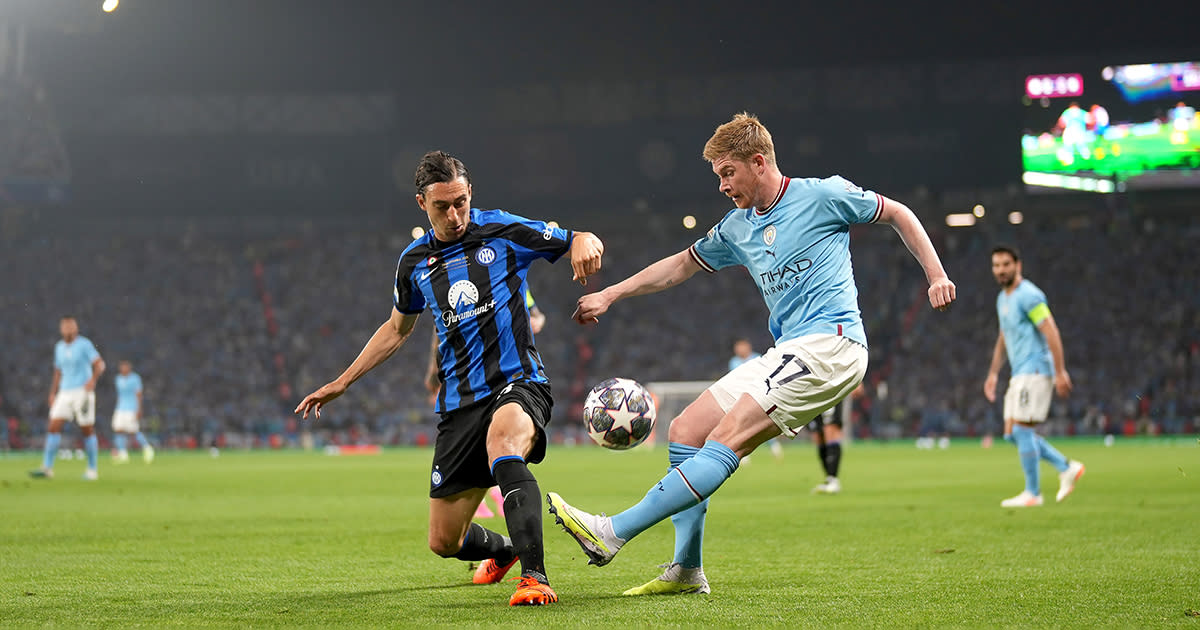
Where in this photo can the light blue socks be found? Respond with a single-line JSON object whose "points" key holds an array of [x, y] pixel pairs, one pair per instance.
{"points": [[689, 524], [52, 442], [686, 485], [1027, 448], [91, 446]]}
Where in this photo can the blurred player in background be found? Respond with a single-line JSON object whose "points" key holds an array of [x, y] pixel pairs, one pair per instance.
{"points": [[537, 320], [469, 269], [827, 435], [1073, 123], [77, 367], [742, 352], [1029, 338], [793, 236], [1097, 120], [1182, 117], [128, 413]]}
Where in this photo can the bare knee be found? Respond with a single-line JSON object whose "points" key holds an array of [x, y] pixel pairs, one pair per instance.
{"points": [[444, 546], [681, 431]]}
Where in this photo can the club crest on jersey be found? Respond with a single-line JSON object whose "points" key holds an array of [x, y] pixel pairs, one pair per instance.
{"points": [[769, 235], [485, 256]]}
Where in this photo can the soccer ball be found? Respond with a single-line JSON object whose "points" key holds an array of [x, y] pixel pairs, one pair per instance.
{"points": [[619, 413]]}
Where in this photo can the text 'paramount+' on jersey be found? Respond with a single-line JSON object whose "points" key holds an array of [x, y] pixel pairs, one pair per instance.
{"points": [[797, 249], [476, 289]]}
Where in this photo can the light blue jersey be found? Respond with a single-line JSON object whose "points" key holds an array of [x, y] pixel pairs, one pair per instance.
{"points": [[1020, 312], [797, 250], [736, 361], [74, 360], [128, 388]]}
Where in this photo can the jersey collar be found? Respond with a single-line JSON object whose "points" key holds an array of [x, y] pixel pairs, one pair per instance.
{"points": [[783, 184]]}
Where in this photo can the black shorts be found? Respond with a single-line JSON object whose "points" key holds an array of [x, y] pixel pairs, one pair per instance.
{"points": [[834, 419], [460, 457]]}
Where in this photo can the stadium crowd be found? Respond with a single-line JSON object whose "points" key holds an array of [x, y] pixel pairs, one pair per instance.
{"points": [[228, 327]]}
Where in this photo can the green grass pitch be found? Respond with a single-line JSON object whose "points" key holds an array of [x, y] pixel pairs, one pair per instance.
{"points": [[304, 540]]}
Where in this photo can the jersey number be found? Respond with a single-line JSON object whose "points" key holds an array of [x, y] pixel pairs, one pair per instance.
{"points": [[788, 360]]}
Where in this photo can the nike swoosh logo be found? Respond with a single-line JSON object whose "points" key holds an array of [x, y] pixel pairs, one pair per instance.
{"points": [[427, 274], [509, 494]]}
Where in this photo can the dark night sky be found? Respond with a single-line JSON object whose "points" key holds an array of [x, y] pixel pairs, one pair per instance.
{"points": [[445, 52]]}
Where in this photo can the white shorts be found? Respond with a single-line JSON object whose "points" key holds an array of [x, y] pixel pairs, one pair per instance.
{"points": [[1028, 398], [125, 422], [77, 405], [796, 380]]}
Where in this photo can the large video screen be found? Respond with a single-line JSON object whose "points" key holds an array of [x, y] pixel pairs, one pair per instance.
{"points": [[1113, 129]]}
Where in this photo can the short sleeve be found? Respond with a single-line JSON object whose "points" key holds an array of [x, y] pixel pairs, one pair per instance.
{"points": [[712, 251], [542, 239], [405, 296], [90, 352], [850, 203], [137, 383], [1033, 304]]}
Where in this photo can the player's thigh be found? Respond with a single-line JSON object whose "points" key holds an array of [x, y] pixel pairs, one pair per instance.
{"points": [[66, 404], [85, 414], [692, 426], [449, 519], [511, 432], [518, 421], [125, 422], [745, 427], [798, 380], [1028, 398]]}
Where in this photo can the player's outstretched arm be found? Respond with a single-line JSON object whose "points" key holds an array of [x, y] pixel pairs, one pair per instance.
{"points": [[663, 274], [386, 340], [586, 251], [902, 219]]}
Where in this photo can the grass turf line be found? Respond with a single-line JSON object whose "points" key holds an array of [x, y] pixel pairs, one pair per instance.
{"points": [[304, 540]]}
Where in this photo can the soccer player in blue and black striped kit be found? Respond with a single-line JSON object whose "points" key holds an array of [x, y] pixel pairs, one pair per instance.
{"points": [[469, 270]]}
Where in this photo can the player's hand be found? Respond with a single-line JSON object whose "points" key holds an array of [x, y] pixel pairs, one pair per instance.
{"points": [[941, 293], [586, 251], [89, 386], [314, 401], [1062, 383], [590, 307], [989, 388]]}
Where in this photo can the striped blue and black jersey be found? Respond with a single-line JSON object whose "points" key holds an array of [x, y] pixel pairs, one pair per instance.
{"points": [[476, 289]]}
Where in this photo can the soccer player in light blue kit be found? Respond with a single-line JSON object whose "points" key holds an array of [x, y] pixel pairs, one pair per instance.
{"points": [[77, 367], [127, 414], [792, 235], [1034, 349]]}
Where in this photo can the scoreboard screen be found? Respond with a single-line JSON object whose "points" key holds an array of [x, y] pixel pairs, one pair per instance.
{"points": [[1113, 129]]}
